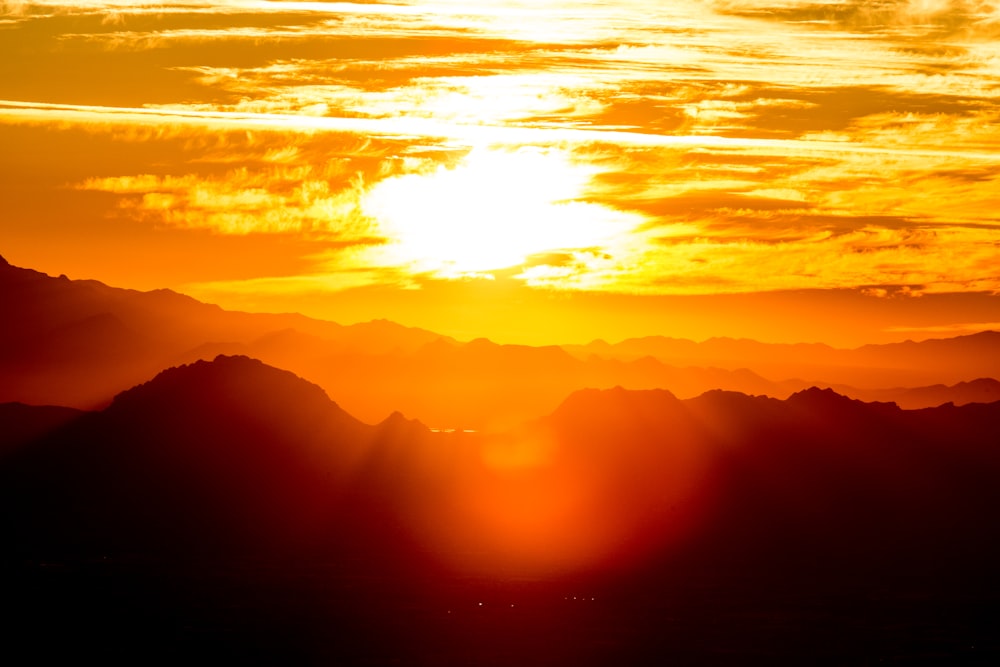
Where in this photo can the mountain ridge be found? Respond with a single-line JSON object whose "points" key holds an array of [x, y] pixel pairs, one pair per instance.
{"points": [[230, 489], [234, 454], [78, 343]]}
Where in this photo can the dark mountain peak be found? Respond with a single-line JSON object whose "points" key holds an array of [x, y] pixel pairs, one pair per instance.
{"points": [[616, 402], [727, 396], [828, 401], [728, 405], [816, 396], [230, 385], [714, 393], [396, 417], [3, 262], [397, 422], [225, 456], [983, 383], [222, 366], [626, 420], [987, 336]]}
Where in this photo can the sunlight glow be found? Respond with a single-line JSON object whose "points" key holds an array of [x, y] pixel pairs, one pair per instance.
{"points": [[495, 210]]}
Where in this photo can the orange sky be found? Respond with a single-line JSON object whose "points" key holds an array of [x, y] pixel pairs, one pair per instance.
{"points": [[537, 172]]}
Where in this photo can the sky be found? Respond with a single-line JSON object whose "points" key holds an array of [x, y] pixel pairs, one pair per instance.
{"points": [[532, 172]]}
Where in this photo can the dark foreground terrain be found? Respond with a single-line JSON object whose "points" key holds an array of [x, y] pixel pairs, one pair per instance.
{"points": [[139, 613], [229, 512]]}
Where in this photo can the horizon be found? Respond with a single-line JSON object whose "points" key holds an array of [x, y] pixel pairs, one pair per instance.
{"points": [[77, 343], [542, 174], [849, 342]]}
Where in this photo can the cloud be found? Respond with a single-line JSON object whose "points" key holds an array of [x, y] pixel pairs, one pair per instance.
{"points": [[729, 145], [902, 17], [929, 261], [970, 128], [318, 283], [282, 200]]}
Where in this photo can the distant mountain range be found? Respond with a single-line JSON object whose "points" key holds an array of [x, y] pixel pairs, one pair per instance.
{"points": [[946, 361], [78, 343], [224, 492]]}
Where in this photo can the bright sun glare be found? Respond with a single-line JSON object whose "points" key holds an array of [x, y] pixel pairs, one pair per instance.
{"points": [[495, 210]]}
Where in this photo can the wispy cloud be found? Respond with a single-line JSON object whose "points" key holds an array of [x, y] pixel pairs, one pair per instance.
{"points": [[277, 201], [636, 146]]}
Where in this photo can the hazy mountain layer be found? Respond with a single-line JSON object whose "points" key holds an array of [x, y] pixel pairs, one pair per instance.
{"points": [[78, 343]]}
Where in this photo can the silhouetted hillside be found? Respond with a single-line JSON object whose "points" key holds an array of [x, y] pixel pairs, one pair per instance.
{"points": [[230, 493], [234, 451], [819, 482], [22, 424]]}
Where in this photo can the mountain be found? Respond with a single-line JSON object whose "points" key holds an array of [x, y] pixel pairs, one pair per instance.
{"points": [[233, 454], [229, 454], [824, 485], [980, 390], [78, 343], [934, 361], [477, 385], [22, 424], [229, 508]]}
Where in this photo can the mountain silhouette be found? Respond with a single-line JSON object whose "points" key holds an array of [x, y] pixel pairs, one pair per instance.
{"points": [[214, 456], [230, 489], [22, 424], [234, 454], [819, 482]]}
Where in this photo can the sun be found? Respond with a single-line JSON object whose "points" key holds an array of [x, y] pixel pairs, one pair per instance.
{"points": [[494, 210]]}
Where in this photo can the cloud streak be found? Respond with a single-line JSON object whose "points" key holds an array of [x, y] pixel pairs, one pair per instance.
{"points": [[685, 148]]}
